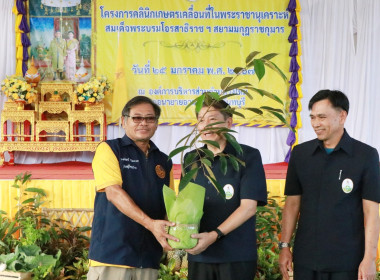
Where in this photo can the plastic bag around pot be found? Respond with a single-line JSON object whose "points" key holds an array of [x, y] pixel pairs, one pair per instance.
{"points": [[186, 211]]}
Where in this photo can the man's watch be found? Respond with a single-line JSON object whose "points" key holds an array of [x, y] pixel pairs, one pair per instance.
{"points": [[282, 245], [219, 232]]}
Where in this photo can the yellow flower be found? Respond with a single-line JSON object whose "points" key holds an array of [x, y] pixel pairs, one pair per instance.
{"points": [[80, 90], [28, 87], [95, 94], [28, 95], [92, 99], [80, 98], [15, 96]]}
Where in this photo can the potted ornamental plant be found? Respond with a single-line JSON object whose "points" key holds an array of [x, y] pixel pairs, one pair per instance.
{"points": [[201, 158]]}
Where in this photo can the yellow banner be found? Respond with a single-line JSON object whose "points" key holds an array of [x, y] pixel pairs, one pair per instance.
{"points": [[172, 51]]}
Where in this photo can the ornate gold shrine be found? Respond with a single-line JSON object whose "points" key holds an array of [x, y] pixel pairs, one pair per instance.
{"points": [[57, 123]]}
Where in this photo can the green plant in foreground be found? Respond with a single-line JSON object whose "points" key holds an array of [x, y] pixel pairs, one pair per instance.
{"points": [[268, 223], [29, 258], [167, 272], [79, 268], [61, 253], [268, 227], [201, 158], [7, 229], [70, 241], [267, 265]]}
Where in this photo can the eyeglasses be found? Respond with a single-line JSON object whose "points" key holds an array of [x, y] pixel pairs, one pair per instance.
{"points": [[151, 119]]}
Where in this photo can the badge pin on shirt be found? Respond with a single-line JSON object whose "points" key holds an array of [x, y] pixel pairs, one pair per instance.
{"points": [[160, 171], [347, 185], [229, 191]]}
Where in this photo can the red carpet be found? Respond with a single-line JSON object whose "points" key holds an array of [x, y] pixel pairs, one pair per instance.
{"points": [[76, 170]]}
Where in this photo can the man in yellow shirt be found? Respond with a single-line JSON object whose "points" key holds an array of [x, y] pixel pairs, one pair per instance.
{"points": [[128, 231]]}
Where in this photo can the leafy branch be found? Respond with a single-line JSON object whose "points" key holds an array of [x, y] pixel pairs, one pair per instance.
{"points": [[202, 158]]}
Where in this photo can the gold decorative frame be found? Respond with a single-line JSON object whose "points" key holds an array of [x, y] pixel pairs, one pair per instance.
{"points": [[18, 119]]}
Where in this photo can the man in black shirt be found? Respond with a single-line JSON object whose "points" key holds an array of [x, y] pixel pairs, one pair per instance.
{"points": [[333, 190]]}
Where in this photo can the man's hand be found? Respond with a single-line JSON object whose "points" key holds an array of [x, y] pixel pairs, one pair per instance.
{"points": [[205, 239], [158, 229], [128, 207], [285, 262], [367, 270]]}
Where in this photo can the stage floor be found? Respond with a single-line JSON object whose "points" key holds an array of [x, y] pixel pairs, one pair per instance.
{"points": [[72, 170], [72, 185]]}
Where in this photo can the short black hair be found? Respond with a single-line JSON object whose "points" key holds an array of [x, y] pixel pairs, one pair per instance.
{"points": [[220, 105], [140, 100], [337, 98]]}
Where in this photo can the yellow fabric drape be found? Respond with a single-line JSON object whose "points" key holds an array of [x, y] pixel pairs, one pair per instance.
{"points": [[18, 43], [60, 194]]}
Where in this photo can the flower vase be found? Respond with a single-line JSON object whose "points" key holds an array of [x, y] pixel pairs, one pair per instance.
{"points": [[87, 105], [20, 104]]}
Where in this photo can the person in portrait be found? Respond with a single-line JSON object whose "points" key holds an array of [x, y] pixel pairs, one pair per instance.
{"points": [[72, 47], [333, 193], [57, 52]]}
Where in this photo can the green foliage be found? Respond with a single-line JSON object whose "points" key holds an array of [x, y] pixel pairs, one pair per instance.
{"points": [[268, 223], [166, 272], [173, 266], [49, 251], [70, 241], [31, 233], [378, 268], [267, 265], [268, 227], [7, 229], [29, 258], [230, 87], [79, 268]]}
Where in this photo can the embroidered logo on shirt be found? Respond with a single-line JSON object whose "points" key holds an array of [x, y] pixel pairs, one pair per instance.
{"points": [[160, 171], [128, 166], [229, 191], [347, 185], [129, 160]]}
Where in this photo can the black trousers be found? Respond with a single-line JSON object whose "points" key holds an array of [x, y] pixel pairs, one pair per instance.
{"points": [[222, 271], [302, 273]]}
